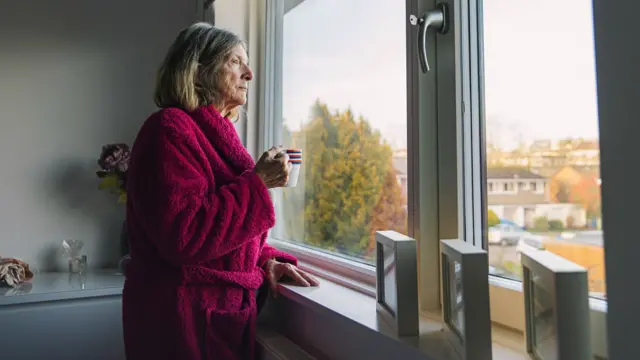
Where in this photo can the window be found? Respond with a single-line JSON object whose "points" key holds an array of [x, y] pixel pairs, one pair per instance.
{"points": [[522, 90], [344, 104], [540, 112], [484, 177]]}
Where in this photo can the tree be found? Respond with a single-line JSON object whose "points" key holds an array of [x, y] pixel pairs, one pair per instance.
{"points": [[492, 218], [390, 212], [587, 193], [563, 192], [350, 188]]}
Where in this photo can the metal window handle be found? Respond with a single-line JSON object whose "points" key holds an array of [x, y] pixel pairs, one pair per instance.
{"points": [[437, 18]]}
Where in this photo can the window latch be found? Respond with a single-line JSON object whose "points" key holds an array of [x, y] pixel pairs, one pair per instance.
{"points": [[437, 18]]}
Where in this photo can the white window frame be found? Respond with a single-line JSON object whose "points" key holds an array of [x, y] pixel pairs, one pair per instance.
{"points": [[505, 293], [423, 211], [432, 149], [445, 135], [347, 272]]}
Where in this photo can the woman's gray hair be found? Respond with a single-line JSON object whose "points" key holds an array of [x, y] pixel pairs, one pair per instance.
{"points": [[190, 74]]}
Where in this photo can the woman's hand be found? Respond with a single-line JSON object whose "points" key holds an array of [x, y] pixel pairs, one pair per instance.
{"points": [[276, 271], [273, 167]]}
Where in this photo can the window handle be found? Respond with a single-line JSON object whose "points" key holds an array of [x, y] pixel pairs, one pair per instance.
{"points": [[437, 18]]}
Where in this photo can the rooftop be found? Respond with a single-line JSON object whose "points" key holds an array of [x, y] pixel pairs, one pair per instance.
{"points": [[512, 173]]}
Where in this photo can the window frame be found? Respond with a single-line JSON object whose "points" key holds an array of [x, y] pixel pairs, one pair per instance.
{"points": [[504, 292], [441, 206], [349, 273], [353, 274]]}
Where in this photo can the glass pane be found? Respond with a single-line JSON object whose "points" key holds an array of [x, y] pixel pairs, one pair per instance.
{"points": [[544, 328], [344, 104], [543, 156], [389, 279], [456, 297]]}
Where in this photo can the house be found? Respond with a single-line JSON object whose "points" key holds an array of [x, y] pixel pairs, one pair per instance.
{"points": [[587, 153], [547, 157], [521, 196]]}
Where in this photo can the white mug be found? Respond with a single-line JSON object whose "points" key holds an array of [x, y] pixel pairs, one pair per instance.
{"points": [[295, 162], [294, 172]]}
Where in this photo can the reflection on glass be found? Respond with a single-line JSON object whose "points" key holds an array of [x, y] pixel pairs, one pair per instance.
{"points": [[544, 329], [344, 105], [22, 289], [542, 139], [390, 288], [456, 297]]}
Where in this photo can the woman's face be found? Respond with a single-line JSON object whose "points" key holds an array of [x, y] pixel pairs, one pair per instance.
{"points": [[236, 75]]}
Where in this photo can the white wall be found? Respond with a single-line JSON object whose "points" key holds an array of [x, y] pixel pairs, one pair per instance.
{"points": [[73, 75], [617, 58]]}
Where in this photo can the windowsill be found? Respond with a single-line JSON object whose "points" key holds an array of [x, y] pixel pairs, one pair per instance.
{"points": [[506, 297], [361, 278], [331, 300]]}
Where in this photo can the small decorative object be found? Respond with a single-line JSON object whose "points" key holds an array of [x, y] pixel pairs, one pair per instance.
{"points": [[397, 282], [77, 262], [14, 272], [114, 164], [556, 303], [78, 281], [465, 299]]}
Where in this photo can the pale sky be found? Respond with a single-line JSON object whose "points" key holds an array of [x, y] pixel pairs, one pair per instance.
{"points": [[539, 66]]}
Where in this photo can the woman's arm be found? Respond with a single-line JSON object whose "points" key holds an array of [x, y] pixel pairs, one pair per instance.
{"points": [[271, 253], [187, 218]]}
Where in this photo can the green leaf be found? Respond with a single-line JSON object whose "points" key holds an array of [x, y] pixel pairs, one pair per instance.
{"points": [[108, 182]]}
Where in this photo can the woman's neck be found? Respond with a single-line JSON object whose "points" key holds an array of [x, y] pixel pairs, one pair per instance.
{"points": [[223, 109]]}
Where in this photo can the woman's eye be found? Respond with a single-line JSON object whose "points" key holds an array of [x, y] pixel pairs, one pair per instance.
{"points": [[235, 61]]}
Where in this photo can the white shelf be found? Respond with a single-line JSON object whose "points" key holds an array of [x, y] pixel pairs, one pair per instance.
{"points": [[52, 286]]}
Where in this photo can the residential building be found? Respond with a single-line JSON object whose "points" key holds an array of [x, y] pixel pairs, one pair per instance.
{"points": [[520, 196]]}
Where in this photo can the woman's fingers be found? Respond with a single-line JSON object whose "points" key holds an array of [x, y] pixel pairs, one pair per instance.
{"points": [[310, 279], [293, 272], [274, 151]]}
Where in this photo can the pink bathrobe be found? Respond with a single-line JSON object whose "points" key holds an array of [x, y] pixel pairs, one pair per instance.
{"points": [[197, 217]]}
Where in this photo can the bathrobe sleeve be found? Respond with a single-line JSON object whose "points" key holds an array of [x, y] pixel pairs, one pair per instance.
{"points": [[188, 217]]}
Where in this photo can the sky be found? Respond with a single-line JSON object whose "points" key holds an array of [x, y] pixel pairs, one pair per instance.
{"points": [[539, 66]]}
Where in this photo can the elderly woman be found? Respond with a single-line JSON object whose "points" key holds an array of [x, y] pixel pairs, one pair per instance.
{"points": [[198, 211]]}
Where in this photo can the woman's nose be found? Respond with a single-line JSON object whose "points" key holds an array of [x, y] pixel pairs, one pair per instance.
{"points": [[248, 74]]}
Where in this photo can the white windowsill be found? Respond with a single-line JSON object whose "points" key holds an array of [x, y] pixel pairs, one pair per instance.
{"points": [[333, 300], [57, 286], [341, 271], [355, 285]]}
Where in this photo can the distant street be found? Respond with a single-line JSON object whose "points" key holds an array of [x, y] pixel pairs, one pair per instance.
{"points": [[501, 256]]}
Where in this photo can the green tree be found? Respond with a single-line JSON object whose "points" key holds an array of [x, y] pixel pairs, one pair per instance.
{"points": [[390, 213], [350, 188], [492, 218]]}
